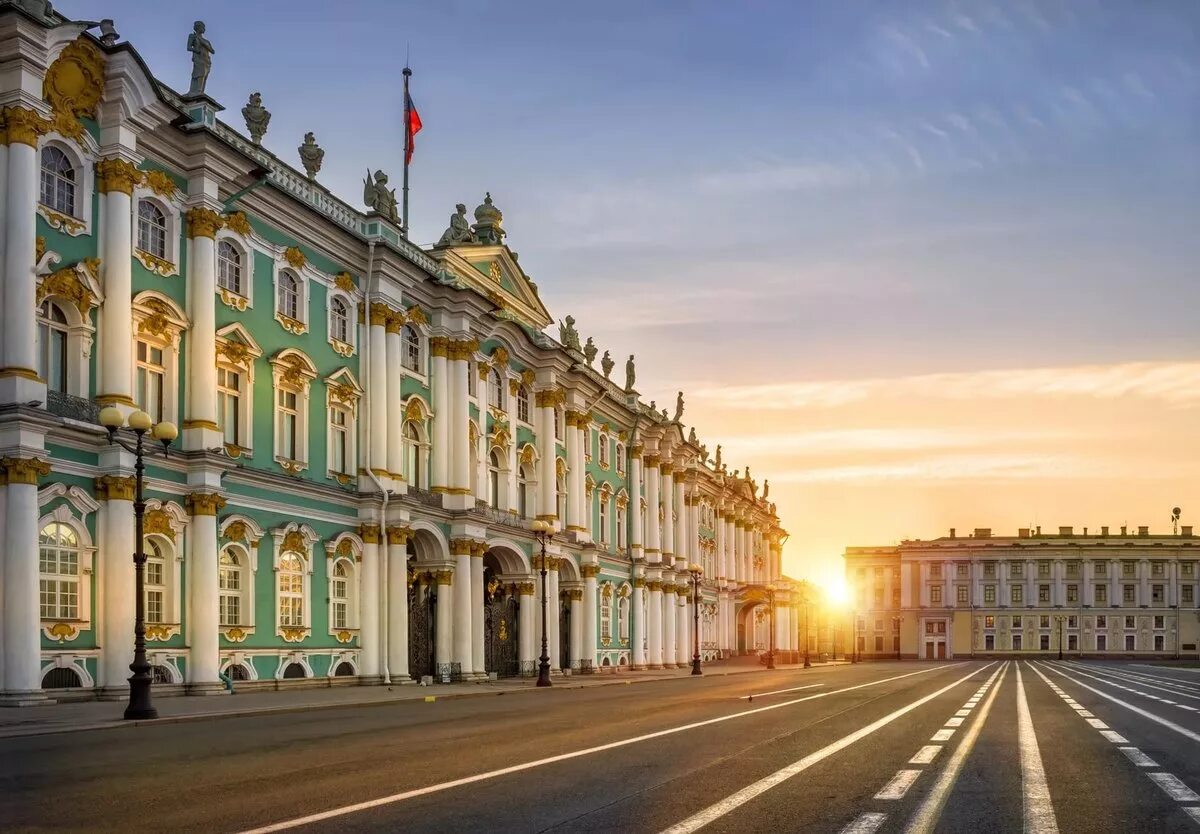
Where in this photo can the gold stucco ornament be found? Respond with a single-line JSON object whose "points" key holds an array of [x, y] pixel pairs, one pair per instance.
{"points": [[73, 86]]}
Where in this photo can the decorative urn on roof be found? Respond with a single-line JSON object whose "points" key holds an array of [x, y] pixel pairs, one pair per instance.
{"points": [[488, 220]]}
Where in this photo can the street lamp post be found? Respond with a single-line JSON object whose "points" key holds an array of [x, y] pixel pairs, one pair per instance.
{"points": [[771, 636], [854, 636], [807, 612], [696, 571], [1059, 619], [544, 531], [896, 634], [140, 704]]}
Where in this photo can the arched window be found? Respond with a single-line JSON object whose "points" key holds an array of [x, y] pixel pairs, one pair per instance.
{"points": [[603, 532], [495, 467], [61, 677], [413, 452], [620, 458], [603, 449], [52, 346], [156, 582], [560, 483], [58, 567], [523, 404], [495, 389], [621, 523], [152, 229], [340, 449], [230, 585], [411, 355], [58, 181], [339, 595], [339, 321], [291, 590], [229, 268], [606, 612], [524, 493], [623, 618], [287, 302]]}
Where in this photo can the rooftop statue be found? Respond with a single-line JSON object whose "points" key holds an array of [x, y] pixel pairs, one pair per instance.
{"points": [[311, 155], [766, 488], [488, 220], [717, 462], [590, 350], [679, 407], [459, 230], [692, 436], [379, 197], [568, 335], [607, 364], [202, 52], [630, 376], [257, 117]]}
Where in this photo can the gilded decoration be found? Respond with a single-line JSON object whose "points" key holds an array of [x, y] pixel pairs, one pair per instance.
{"points": [[238, 223], [514, 385], [344, 282], [497, 300], [293, 634], [399, 535], [39, 248], [494, 271], [201, 222], [527, 455], [369, 533], [159, 266], [344, 549], [525, 589], [24, 126], [235, 352], [232, 300], [236, 531], [158, 521], [438, 345], [343, 392], [380, 314], [294, 257], [62, 632], [484, 369], [550, 398], [235, 634], [460, 547], [395, 321], [24, 470], [444, 577], [203, 503], [528, 376], [291, 325], [344, 636], [293, 542], [116, 175], [500, 357], [413, 411], [114, 488], [160, 183], [417, 316], [73, 86], [160, 633], [158, 323], [61, 222], [589, 571], [639, 582], [66, 283]]}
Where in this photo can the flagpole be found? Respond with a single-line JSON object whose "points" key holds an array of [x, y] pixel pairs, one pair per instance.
{"points": [[407, 142]]}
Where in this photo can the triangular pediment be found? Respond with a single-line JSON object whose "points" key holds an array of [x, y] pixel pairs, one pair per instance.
{"points": [[494, 273]]}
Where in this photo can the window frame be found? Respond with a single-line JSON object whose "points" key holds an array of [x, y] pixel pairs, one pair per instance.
{"points": [[166, 264], [78, 221], [292, 372]]}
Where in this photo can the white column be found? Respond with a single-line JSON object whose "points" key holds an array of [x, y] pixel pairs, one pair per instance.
{"points": [[440, 394], [377, 388], [477, 659], [368, 603], [481, 443], [116, 556], [547, 482], [460, 415], [683, 627], [572, 443], [397, 619], [203, 591], [1144, 584], [638, 632], [590, 602], [527, 632], [579, 640], [654, 622], [722, 569], [200, 394], [394, 419], [460, 549], [667, 491], [637, 519], [924, 568], [552, 612], [22, 615], [510, 488], [683, 553], [668, 619], [444, 626], [18, 365], [653, 534], [115, 179]]}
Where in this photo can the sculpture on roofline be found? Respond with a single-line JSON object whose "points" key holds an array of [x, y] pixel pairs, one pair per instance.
{"points": [[379, 197], [590, 350], [766, 488], [202, 52], [459, 230], [717, 462], [629, 374], [692, 436], [568, 335], [607, 364], [311, 155], [488, 228], [257, 118], [654, 407], [678, 407], [664, 414]]}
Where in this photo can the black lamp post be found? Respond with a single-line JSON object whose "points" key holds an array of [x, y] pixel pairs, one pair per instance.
{"points": [[696, 571], [1059, 620], [854, 636], [896, 634], [140, 706], [544, 531], [771, 637], [807, 611]]}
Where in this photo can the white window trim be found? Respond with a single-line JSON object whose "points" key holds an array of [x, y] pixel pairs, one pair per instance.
{"points": [[81, 333], [342, 391], [341, 348], [172, 211], [87, 553], [348, 548], [174, 547], [300, 325], [246, 300], [253, 534], [245, 593], [424, 360], [283, 365], [308, 537], [235, 334], [84, 162], [416, 411], [148, 307]]}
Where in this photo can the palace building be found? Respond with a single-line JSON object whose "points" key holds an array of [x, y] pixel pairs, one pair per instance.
{"points": [[368, 428], [1099, 594]]}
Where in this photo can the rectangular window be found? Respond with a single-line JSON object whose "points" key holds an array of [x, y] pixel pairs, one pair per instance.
{"points": [[1157, 569], [962, 571], [1128, 593], [1187, 569], [1156, 594], [989, 594], [1043, 593], [989, 642], [878, 624], [989, 569], [1044, 642], [1186, 594], [1018, 594], [1128, 569], [1016, 642], [1101, 594], [879, 597], [1102, 569], [1044, 621], [151, 374], [962, 594], [1130, 622], [1102, 621], [1130, 642], [1072, 593], [989, 621], [154, 606], [288, 424], [1158, 642], [229, 404], [339, 440], [935, 571], [1072, 569], [1072, 621], [1159, 621], [1016, 623], [1073, 642], [1016, 570], [878, 642], [935, 595], [1043, 569], [1101, 642]]}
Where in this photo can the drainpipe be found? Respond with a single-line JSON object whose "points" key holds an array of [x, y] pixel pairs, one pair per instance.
{"points": [[372, 289]]}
